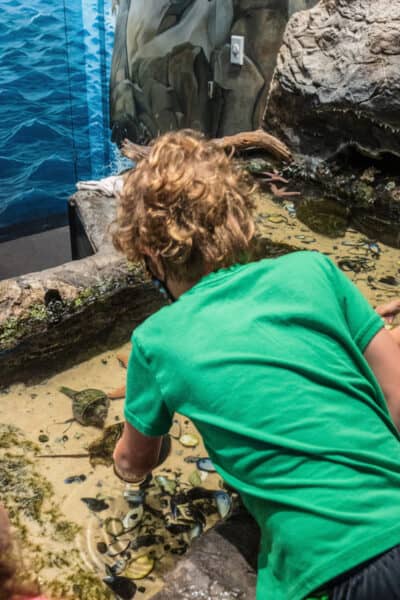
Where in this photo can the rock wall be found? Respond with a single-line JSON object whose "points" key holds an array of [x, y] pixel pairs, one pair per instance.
{"points": [[337, 81], [171, 64]]}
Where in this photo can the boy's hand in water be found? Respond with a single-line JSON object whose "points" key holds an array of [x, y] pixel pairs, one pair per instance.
{"points": [[390, 310], [135, 454]]}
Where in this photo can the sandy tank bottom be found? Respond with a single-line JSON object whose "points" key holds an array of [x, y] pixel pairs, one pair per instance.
{"points": [[71, 544]]}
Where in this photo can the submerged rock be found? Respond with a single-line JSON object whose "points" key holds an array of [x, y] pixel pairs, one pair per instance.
{"points": [[337, 81], [323, 216]]}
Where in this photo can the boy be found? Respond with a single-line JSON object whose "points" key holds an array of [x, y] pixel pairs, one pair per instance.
{"points": [[282, 365]]}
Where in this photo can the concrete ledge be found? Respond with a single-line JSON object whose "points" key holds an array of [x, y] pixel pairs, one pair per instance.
{"points": [[55, 317]]}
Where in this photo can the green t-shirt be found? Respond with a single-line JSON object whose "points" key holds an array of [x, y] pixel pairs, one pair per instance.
{"points": [[267, 360]]}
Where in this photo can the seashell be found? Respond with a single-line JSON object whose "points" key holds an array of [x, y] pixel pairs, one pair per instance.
{"points": [[133, 496], [199, 493], [167, 485], [194, 478], [195, 532], [133, 518], [191, 459], [140, 567], [117, 567], [123, 587], [146, 541], [113, 527], [276, 219], [118, 548], [89, 406], [75, 479], [205, 464], [95, 504], [189, 440], [224, 503]]}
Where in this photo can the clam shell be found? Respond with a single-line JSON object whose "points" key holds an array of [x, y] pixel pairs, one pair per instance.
{"points": [[140, 567], [189, 440]]}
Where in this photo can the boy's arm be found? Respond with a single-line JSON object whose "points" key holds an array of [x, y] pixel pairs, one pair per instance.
{"points": [[383, 356], [135, 454]]}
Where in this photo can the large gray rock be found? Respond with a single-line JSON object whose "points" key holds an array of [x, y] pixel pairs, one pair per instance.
{"points": [[337, 81], [171, 65], [220, 565]]}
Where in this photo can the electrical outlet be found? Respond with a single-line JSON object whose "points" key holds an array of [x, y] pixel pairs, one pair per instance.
{"points": [[237, 49]]}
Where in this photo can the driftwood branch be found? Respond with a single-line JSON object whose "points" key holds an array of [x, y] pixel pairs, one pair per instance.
{"points": [[247, 140]]}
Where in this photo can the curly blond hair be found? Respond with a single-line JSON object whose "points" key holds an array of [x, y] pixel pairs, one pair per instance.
{"points": [[187, 203]]}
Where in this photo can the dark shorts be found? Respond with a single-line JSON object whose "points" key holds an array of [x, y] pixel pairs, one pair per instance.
{"points": [[376, 579]]}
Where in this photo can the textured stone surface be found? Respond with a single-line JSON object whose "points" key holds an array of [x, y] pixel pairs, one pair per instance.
{"points": [[337, 81], [238, 84], [170, 58], [219, 566], [57, 316], [263, 30]]}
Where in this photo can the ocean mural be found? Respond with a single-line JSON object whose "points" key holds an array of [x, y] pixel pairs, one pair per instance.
{"points": [[54, 124]]}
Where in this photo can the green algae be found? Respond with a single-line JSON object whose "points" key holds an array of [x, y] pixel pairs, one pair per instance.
{"points": [[29, 499], [80, 584]]}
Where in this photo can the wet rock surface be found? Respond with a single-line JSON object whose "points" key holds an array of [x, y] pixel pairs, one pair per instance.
{"points": [[233, 544], [337, 80]]}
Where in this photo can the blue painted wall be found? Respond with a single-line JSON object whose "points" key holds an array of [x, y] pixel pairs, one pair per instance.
{"points": [[54, 130]]}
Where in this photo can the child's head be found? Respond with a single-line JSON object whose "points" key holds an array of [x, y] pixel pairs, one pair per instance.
{"points": [[188, 205]]}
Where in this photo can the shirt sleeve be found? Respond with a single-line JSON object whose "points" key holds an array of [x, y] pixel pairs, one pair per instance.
{"points": [[363, 322], [144, 406]]}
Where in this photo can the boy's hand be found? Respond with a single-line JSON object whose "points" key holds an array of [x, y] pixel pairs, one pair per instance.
{"points": [[135, 454], [127, 476], [389, 311]]}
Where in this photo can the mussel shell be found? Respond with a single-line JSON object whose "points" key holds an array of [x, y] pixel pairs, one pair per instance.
{"points": [[205, 464], [167, 485], [176, 528], [224, 503], [95, 504], [199, 493], [75, 479], [118, 547], [146, 541], [113, 526], [133, 518], [117, 567], [195, 532], [134, 497], [124, 587]]}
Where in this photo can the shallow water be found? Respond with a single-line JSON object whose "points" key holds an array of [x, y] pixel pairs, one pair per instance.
{"points": [[62, 559], [41, 410]]}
